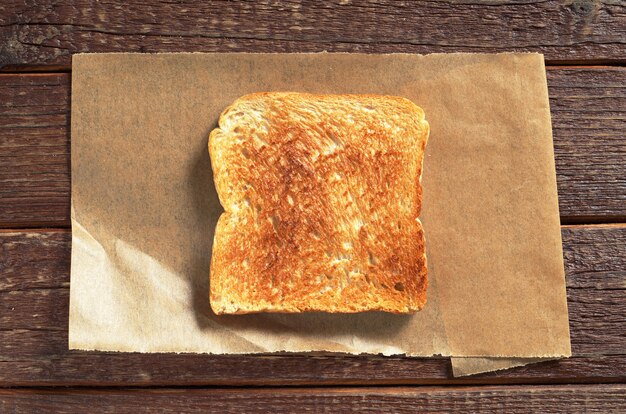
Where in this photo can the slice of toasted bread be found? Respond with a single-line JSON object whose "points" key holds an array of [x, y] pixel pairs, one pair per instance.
{"points": [[322, 196]]}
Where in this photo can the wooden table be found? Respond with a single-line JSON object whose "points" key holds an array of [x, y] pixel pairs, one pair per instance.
{"points": [[584, 43]]}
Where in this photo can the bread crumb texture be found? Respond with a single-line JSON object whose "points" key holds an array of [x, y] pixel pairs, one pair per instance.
{"points": [[322, 196]]}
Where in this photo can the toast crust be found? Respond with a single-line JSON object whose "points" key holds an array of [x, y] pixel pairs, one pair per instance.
{"points": [[321, 197]]}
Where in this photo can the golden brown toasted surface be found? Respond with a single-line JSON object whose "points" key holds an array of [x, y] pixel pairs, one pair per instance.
{"points": [[321, 196]]}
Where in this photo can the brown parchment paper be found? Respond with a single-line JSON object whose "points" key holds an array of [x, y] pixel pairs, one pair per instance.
{"points": [[144, 206]]}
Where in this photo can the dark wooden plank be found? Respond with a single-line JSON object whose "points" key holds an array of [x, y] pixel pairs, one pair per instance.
{"points": [[589, 118], [33, 33], [35, 260], [34, 308], [595, 263], [509, 399], [589, 127], [34, 150]]}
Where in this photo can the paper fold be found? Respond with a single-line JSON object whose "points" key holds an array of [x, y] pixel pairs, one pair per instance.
{"points": [[464, 366]]}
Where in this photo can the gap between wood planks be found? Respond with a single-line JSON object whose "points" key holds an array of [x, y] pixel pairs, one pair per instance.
{"points": [[321, 388], [550, 65], [565, 222]]}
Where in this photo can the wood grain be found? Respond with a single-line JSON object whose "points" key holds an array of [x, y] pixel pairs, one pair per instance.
{"points": [[589, 127], [43, 33], [33, 336], [589, 120], [34, 150], [509, 399]]}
